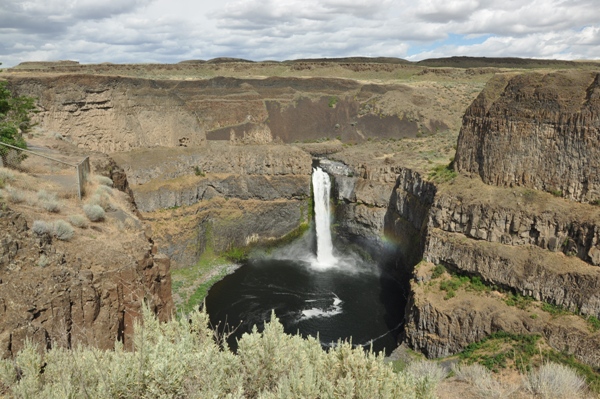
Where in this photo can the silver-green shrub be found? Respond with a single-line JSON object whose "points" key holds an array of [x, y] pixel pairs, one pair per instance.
{"points": [[102, 199], [94, 212], [180, 359], [40, 227], [43, 195], [483, 381], [51, 206], [13, 195], [427, 374], [63, 230], [6, 174], [104, 190], [78, 221], [555, 381], [103, 180]]}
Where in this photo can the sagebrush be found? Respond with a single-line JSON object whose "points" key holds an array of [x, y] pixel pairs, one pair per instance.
{"points": [[40, 227], [78, 221], [555, 381], [103, 180], [94, 212], [63, 230], [181, 359]]}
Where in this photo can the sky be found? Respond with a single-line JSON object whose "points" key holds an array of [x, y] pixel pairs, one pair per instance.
{"points": [[169, 31]]}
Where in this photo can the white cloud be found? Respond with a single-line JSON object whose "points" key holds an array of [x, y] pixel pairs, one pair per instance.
{"points": [[173, 30], [443, 10], [560, 45]]}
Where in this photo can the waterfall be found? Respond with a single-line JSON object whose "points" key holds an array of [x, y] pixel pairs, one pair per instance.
{"points": [[321, 193]]}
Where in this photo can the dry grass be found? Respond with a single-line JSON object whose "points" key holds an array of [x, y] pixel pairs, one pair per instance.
{"points": [[421, 154], [483, 381]]}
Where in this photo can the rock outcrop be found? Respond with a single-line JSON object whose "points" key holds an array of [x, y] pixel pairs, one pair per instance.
{"points": [[444, 326], [536, 130], [222, 196], [523, 135], [519, 217], [58, 293], [114, 113], [108, 114]]}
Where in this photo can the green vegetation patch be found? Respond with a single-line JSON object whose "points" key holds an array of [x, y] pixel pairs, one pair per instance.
{"points": [[15, 118], [518, 300], [469, 283], [443, 173], [191, 284], [501, 350], [554, 310], [438, 270], [523, 352]]}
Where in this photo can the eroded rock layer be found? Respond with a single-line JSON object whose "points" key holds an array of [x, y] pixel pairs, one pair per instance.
{"points": [[523, 135], [536, 130], [113, 113], [222, 196], [57, 296]]}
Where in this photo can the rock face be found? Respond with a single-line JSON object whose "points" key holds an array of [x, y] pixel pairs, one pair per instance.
{"points": [[522, 135], [382, 206], [536, 130], [501, 236], [113, 113], [526, 218], [58, 296], [554, 278], [109, 114], [443, 327], [221, 196]]}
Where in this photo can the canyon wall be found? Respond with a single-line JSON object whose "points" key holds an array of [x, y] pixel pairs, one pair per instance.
{"points": [[58, 293], [536, 130], [107, 114], [516, 242], [523, 135], [203, 163], [221, 196], [113, 113]]}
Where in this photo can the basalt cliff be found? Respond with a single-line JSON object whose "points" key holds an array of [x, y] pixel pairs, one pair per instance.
{"points": [[522, 136]]}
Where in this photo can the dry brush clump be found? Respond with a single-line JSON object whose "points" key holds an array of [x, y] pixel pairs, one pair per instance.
{"points": [[180, 359], [63, 230], [40, 227], [59, 229], [6, 176], [483, 381], [103, 198], [427, 375], [48, 201], [94, 212], [555, 381], [103, 180], [78, 221], [13, 195]]}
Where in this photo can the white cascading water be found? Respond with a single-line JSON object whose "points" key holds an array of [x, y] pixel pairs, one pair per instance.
{"points": [[321, 191]]}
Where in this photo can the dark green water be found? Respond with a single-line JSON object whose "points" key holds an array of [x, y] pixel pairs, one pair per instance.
{"points": [[345, 302]]}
